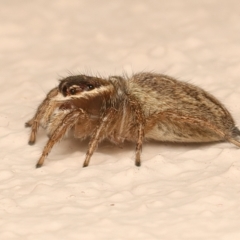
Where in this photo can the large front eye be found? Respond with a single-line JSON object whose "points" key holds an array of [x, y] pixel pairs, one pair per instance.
{"points": [[73, 91]]}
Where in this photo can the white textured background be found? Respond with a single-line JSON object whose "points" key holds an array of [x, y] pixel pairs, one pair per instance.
{"points": [[181, 191]]}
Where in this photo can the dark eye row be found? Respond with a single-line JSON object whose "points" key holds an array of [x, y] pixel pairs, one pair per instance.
{"points": [[73, 91], [90, 87]]}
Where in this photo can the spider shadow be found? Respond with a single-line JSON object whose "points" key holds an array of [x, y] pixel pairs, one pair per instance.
{"points": [[73, 146]]}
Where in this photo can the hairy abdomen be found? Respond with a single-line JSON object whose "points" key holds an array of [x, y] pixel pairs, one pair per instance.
{"points": [[182, 132], [180, 112]]}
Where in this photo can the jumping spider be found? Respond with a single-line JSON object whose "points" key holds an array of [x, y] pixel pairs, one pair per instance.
{"points": [[144, 106]]}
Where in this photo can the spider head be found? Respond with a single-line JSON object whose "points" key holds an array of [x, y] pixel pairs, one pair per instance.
{"points": [[85, 92], [75, 85]]}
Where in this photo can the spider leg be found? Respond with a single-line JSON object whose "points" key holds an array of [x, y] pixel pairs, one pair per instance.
{"points": [[69, 120], [98, 136], [139, 145], [140, 133], [43, 113]]}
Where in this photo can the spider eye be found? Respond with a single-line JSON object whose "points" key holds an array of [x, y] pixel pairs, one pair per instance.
{"points": [[72, 91], [90, 87]]}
